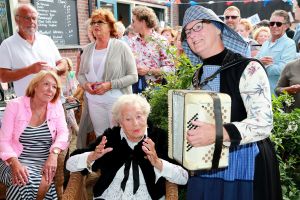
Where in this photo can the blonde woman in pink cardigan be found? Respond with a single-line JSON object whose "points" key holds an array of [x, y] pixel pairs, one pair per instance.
{"points": [[33, 133]]}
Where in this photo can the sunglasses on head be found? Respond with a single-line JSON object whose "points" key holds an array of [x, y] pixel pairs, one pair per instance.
{"points": [[278, 24], [232, 17]]}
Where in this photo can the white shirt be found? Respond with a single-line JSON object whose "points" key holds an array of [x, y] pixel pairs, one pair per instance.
{"points": [[16, 53], [96, 75], [173, 173]]}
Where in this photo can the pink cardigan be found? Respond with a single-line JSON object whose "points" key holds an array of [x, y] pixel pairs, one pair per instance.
{"points": [[17, 116]]}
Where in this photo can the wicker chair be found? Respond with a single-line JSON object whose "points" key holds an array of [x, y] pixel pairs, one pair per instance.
{"points": [[59, 178], [80, 187]]}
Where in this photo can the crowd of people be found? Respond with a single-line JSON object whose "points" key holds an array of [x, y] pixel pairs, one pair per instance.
{"points": [[237, 58]]}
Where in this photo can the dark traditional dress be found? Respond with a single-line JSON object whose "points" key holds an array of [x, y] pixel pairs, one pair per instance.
{"points": [[253, 171]]}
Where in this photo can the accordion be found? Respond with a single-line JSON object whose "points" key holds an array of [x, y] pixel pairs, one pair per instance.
{"points": [[185, 106]]}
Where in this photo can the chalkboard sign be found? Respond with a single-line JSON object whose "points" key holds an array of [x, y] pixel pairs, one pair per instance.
{"points": [[58, 20]]}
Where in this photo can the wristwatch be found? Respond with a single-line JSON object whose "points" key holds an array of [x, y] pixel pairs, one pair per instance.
{"points": [[56, 151]]}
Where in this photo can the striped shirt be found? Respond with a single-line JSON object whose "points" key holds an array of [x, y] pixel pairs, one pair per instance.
{"points": [[36, 143]]}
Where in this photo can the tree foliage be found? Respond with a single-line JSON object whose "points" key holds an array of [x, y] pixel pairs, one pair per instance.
{"points": [[158, 94]]}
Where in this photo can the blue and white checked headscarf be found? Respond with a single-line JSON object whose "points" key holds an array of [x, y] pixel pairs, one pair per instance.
{"points": [[231, 39]]}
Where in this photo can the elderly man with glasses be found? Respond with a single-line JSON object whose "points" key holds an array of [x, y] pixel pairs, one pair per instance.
{"points": [[276, 52], [27, 51]]}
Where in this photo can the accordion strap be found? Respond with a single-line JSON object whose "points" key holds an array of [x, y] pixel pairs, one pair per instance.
{"points": [[228, 65], [219, 130]]}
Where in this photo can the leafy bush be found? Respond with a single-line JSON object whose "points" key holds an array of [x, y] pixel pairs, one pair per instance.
{"points": [[286, 136], [158, 94]]}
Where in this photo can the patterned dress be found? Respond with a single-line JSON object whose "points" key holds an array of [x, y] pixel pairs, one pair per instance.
{"points": [[36, 143]]}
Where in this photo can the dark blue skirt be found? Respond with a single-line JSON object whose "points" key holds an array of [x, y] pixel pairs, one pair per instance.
{"points": [[200, 188], [265, 186]]}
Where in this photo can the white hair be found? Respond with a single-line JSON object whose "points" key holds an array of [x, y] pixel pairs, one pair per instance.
{"points": [[22, 6], [120, 28], [130, 99]]}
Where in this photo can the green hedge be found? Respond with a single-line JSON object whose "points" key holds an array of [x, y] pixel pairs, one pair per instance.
{"points": [[286, 136]]}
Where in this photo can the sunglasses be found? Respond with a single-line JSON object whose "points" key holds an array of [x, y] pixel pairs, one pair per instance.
{"points": [[232, 17], [278, 24], [93, 23]]}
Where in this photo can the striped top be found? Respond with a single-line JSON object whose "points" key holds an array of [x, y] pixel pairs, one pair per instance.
{"points": [[36, 143], [241, 158]]}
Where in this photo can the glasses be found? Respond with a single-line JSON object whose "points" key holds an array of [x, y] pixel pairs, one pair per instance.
{"points": [[196, 28], [278, 24], [232, 17], [28, 18], [99, 23]]}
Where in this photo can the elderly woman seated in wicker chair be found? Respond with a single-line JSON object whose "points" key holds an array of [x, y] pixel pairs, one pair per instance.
{"points": [[132, 157], [33, 133]]}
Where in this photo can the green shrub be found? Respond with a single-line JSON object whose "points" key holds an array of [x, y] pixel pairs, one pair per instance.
{"points": [[158, 94], [286, 136]]}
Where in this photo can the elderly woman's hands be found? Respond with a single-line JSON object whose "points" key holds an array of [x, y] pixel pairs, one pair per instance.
{"points": [[50, 167], [99, 151], [149, 149], [19, 172], [204, 134]]}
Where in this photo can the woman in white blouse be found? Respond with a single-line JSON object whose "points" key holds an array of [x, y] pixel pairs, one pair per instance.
{"points": [[132, 157], [107, 70]]}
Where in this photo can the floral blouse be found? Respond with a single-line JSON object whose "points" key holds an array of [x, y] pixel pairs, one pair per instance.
{"points": [[151, 52], [256, 95]]}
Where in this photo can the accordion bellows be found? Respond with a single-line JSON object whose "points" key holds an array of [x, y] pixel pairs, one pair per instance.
{"points": [[185, 106]]}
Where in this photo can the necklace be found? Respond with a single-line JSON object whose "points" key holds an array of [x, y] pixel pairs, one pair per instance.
{"points": [[39, 115]]}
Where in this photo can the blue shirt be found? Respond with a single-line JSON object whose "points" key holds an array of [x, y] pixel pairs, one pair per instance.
{"points": [[283, 50]]}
